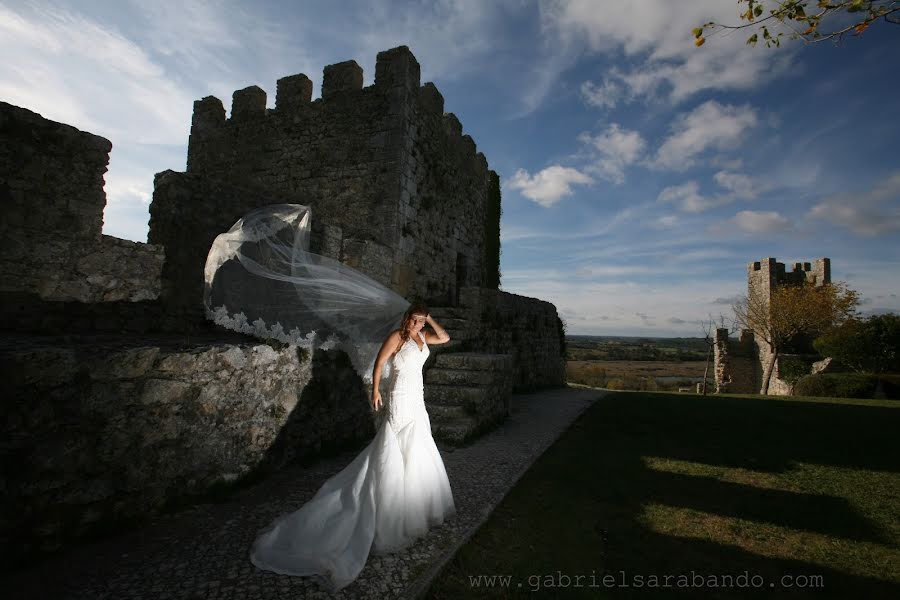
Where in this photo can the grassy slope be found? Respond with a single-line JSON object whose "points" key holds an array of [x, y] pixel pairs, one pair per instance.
{"points": [[662, 484]]}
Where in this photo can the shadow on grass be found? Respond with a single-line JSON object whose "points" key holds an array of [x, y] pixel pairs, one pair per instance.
{"points": [[583, 507]]}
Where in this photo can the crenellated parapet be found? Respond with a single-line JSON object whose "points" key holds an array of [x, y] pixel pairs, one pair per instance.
{"points": [[766, 275]]}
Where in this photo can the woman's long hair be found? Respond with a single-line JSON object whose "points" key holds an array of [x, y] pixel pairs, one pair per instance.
{"points": [[416, 308]]}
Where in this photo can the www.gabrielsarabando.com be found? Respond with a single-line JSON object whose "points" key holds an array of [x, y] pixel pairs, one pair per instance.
{"points": [[623, 579]]}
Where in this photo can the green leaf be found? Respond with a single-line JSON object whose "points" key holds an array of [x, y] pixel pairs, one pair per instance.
{"points": [[698, 31], [753, 39]]}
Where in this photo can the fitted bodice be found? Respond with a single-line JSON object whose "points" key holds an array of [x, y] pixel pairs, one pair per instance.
{"points": [[409, 360]]}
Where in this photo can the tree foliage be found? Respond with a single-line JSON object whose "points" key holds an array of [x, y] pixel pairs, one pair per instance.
{"points": [[794, 310], [865, 345], [806, 20]]}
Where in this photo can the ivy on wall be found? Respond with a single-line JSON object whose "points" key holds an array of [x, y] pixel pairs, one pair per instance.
{"points": [[492, 213]]}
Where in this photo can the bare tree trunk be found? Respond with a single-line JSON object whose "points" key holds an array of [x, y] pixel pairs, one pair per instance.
{"points": [[767, 374], [706, 370]]}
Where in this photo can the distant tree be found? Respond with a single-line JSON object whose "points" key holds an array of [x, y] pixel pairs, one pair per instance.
{"points": [[794, 310], [806, 22], [864, 345]]}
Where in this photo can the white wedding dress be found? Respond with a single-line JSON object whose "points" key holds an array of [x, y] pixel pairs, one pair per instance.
{"points": [[391, 494]]}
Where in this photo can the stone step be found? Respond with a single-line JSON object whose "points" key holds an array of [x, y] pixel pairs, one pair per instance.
{"points": [[475, 361], [458, 334], [450, 347], [446, 376], [449, 312], [442, 413], [483, 402], [455, 395], [454, 323], [457, 432]]}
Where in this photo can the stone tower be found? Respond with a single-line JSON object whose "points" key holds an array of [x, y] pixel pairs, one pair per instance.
{"points": [[739, 364], [395, 188], [765, 275]]}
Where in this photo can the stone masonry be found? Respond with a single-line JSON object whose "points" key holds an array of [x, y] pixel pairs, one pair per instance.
{"points": [[102, 432], [51, 203]]}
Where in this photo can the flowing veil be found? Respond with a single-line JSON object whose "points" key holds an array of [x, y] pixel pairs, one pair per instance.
{"points": [[261, 279]]}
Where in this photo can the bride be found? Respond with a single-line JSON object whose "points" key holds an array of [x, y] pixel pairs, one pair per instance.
{"points": [[392, 492], [261, 279]]}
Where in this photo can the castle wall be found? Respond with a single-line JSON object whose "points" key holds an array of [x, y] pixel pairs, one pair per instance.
{"points": [[382, 164], [102, 431], [187, 213], [51, 217], [443, 200], [526, 328]]}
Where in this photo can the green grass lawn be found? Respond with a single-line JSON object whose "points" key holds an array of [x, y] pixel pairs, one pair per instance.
{"points": [[798, 495]]}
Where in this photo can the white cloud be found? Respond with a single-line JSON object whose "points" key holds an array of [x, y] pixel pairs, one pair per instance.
{"points": [[740, 186], [72, 69], [661, 60], [709, 126], [614, 150], [872, 213], [665, 222], [687, 196], [605, 95], [758, 222], [550, 185]]}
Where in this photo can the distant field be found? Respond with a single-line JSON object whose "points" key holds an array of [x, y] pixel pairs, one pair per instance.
{"points": [[631, 349], [635, 363], [600, 373]]}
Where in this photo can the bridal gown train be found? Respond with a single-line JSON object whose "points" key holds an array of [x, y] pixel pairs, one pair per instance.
{"points": [[391, 494]]}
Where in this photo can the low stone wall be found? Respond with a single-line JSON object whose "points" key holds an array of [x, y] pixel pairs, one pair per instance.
{"points": [[28, 313], [107, 269], [100, 430], [526, 328]]}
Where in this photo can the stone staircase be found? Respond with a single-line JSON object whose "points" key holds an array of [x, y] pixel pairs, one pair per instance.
{"points": [[466, 392]]}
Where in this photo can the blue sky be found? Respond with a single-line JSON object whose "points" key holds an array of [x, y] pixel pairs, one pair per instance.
{"points": [[640, 174]]}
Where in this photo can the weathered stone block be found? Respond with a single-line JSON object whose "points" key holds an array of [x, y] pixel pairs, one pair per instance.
{"points": [[248, 103], [293, 91], [341, 77]]}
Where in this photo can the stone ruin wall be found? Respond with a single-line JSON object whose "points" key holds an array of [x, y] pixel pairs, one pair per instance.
{"points": [[740, 365], [54, 255], [736, 363]]}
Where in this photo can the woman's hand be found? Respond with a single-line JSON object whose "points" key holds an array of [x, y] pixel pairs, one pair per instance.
{"points": [[376, 400], [442, 336]]}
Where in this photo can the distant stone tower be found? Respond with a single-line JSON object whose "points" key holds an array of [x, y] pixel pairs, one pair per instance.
{"points": [[765, 275], [740, 364]]}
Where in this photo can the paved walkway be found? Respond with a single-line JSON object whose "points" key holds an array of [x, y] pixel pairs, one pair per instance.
{"points": [[202, 553]]}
